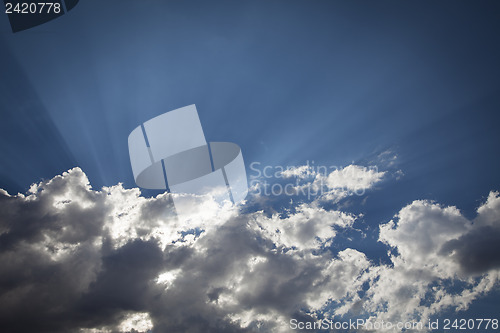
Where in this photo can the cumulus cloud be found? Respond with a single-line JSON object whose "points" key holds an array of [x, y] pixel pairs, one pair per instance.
{"points": [[353, 178], [79, 260], [478, 250], [318, 183], [433, 245]]}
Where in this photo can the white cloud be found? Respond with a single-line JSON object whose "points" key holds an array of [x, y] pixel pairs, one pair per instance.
{"points": [[354, 178], [419, 232], [140, 322], [428, 240], [318, 183], [309, 227], [112, 259], [302, 172]]}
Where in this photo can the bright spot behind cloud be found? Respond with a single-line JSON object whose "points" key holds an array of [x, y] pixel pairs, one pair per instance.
{"points": [[114, 260]]}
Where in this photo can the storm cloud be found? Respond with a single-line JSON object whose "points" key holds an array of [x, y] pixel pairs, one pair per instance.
{"points": [[79, 260]]}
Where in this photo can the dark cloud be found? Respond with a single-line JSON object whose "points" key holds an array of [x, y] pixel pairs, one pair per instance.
{"points": [[74, 259], [478, 251]]}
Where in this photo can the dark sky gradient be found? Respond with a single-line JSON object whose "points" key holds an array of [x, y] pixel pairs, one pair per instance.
{"points": [[329, 82]]}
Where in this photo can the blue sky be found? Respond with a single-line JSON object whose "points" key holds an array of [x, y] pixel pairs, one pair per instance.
{"points": [[289, 81], [328, 82]]}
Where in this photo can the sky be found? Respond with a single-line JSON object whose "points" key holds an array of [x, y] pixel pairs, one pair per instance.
{"points": [[398, 99]]}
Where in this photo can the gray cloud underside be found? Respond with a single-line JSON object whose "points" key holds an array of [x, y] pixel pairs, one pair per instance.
{"points": [[78, 260]]}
